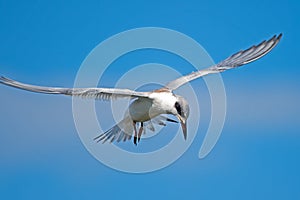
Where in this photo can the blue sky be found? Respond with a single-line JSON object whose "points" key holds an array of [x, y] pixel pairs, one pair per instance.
{"points": [[45, 42]]}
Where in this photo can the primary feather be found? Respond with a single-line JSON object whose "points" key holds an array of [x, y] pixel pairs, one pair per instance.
{"points": [[94, 93], [238, 59]]}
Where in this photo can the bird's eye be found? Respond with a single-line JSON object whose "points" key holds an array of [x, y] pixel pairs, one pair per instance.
{"points": [[178, 108]]}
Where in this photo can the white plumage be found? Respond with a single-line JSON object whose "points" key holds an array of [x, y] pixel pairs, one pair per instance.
{"points": [[149, 106]]}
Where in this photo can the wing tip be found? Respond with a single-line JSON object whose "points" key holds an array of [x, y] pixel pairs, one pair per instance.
{"points": [[279, 36], [5, 80], [276, 38], [2, 78]]}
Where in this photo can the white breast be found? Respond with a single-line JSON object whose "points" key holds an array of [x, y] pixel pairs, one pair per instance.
{"points": [[158, 103], [163, 101]]}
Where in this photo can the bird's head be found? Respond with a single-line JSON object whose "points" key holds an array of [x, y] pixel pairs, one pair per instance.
{"points": [[181, 111]]}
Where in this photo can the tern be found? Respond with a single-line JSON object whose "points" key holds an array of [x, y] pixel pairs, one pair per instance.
{"points": [[151, 105]]}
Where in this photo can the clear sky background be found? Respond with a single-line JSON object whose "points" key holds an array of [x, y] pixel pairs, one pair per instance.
{"points": [[45, 42]]}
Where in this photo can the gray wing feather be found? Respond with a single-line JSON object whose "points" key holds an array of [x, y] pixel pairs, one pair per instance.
{"points": [[120, 132], [238, 59], [94, 93]]}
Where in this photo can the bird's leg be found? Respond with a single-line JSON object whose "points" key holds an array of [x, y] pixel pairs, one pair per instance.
{"points": [[135, 133], [140, 131]]}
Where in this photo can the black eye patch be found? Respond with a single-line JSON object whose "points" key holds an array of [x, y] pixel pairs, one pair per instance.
{"points": [[178, 108]]}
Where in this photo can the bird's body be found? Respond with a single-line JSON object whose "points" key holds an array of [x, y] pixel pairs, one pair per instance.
{"points": [[142, 110], [162, 102], [139, 110], [150, 106]]}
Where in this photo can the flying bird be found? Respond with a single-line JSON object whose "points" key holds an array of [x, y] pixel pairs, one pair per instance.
{"points": [[150, 106]]}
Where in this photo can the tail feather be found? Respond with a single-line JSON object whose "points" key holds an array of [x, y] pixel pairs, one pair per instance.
{"points": [[124, 130], [121, 131], [122, 136]]}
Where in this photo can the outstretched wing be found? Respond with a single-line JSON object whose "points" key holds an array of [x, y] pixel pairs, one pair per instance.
{"points": [[93, 93], [238, 59]]}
